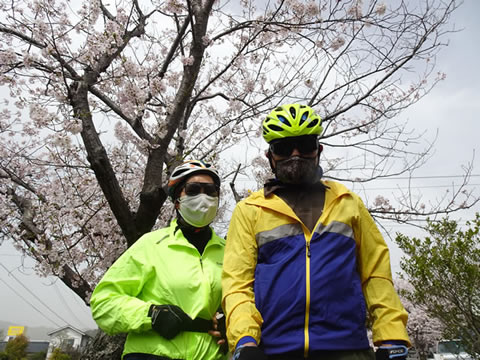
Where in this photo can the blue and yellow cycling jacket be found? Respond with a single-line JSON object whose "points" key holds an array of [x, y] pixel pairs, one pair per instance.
{"points": [[296, 290]]}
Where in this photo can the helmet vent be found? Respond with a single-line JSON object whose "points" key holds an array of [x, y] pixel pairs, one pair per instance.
{"points": [[275, 128], [284, 120], [293, 112], [304, 117], [180, 172], [312, 123]]}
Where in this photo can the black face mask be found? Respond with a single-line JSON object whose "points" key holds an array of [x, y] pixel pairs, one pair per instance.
{"points": [[297, 170]]}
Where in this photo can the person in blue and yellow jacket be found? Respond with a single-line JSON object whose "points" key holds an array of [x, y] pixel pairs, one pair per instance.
{"points": [[304, 261], [165, 290]]}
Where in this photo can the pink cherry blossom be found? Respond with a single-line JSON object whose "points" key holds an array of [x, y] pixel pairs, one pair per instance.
{"points": [[102, 99]]}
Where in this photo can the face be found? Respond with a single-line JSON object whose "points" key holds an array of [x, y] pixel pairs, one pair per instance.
{"points": [[294, 161], [295, 153], [196, 178]]}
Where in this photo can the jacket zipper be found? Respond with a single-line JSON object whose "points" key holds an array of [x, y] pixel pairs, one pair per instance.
{"points": [[307, 305]]}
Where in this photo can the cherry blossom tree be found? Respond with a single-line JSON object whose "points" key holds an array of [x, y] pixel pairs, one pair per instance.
{"points": [[101, 100], [423, 329]]}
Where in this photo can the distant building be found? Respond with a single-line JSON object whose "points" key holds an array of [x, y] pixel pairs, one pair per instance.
{"points": [[67, 337], [33, 347]]}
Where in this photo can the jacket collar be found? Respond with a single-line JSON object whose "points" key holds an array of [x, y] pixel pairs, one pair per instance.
{"points": [[274, 184], [271, 201], [176, 237]]}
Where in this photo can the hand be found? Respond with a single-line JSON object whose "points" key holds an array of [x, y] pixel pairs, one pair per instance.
{"points": [[391, 352], [168, 320], [249, 353], [219, 331]]}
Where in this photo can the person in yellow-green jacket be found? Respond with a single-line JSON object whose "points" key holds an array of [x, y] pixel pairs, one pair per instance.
{"points": [[305, 262], [165, 290]]}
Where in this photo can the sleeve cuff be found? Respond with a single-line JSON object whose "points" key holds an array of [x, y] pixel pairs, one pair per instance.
{"points": [[394, 342], [244, 340]]}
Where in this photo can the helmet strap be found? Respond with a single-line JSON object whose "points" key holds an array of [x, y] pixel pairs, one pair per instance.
{"points": [[320, 149], [268, 154]]}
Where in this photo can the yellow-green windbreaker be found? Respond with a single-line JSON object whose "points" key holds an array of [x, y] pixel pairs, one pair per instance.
{"points": [[295, 290], [162, 267]]}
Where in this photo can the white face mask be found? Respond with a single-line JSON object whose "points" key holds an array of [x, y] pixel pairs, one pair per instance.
{"points": [[198, 210]]}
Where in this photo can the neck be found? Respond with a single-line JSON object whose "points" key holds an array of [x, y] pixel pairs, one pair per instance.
{"points": [[184, 226], [198, 237]]}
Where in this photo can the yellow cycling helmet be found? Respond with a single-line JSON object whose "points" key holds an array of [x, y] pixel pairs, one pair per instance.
{"points": [[291, 120]]}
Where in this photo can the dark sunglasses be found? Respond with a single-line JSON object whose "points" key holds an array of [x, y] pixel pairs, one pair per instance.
{"points": [[304, 144], [195, 188]]}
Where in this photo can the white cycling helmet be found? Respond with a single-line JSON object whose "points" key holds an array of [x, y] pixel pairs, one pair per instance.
{"points": [[188, 168]]}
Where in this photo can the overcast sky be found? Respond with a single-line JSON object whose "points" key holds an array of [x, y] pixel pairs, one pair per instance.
{"points": [[452, 108]]}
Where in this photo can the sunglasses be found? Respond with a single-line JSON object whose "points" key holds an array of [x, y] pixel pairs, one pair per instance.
{"points": [[195, 188], [304, 144]]}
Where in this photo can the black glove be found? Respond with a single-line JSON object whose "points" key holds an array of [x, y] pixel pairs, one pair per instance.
{"points": [[222, 327], [392, 352], [168, 320], [249, 353]]}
